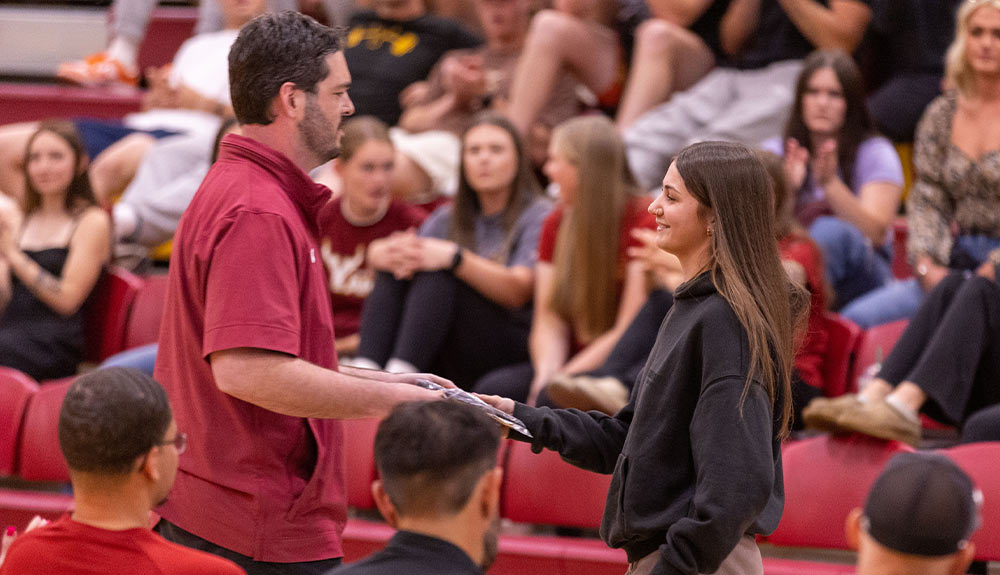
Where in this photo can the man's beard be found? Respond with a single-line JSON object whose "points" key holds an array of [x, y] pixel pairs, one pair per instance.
{"points": [[318, 134], [491, 544]]}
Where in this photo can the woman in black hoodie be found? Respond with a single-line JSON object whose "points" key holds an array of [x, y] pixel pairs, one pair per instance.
{"points": [[696, 453]]}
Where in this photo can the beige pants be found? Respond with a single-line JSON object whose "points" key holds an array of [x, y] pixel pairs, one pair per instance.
{"points": [[744, 560]]}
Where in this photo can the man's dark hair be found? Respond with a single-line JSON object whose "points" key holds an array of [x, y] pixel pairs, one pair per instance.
{"points": [[109, 418], [432, 454], [273, 49]]}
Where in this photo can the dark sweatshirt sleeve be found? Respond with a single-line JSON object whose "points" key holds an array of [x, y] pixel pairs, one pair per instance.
{"points": [[590, 440], [734, 469]]}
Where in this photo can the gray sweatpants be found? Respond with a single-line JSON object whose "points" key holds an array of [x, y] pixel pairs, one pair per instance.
{"points": [[746, 106]]}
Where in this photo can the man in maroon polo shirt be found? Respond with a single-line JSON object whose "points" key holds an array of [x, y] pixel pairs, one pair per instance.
{"points": [[246, 347]]}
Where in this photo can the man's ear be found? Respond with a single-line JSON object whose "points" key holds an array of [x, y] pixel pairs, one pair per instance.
{"points": [[149, 464], [490, 492], [962, 559], [290, 101], [852, 527], [384, 504]]}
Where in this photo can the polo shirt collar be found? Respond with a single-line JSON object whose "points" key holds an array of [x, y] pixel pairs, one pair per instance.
{"points": [[297, 185]]}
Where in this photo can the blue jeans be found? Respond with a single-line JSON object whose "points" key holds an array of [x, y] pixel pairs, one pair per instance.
{"points": [[853, 266], [142, 358], [901, 299]]}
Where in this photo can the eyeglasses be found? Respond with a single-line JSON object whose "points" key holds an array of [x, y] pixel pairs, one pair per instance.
{"points": [[180, 442]]}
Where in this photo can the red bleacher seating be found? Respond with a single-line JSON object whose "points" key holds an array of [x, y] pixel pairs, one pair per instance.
{"points": [[168, 28], [40, 458], [534, 490], [843, 336], [146, 312], [901, 268], [16, 389], [876, 343], [982, 462], [826, 477], [106, 313]]}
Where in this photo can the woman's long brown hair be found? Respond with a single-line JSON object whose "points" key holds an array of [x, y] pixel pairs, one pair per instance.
{"points": [[746, 268]]}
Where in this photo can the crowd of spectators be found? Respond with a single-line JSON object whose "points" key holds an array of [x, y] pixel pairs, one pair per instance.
{"points": [[490, 218]]}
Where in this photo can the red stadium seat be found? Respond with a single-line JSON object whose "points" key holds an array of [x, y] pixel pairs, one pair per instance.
{"points": [[826, 477], [982, 462], [901, 268], [842, 341], [16, 389], [146, 313], [106, 313], [40, 458], [876, 344], [535, 490]]}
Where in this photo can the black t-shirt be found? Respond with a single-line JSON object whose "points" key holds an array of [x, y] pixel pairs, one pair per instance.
{"points": [[912, 36], [707, 25], [410, 553], [776, 39], [386, 56]]}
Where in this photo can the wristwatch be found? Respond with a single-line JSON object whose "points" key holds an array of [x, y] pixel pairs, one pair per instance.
{"points": [[457, 260]]}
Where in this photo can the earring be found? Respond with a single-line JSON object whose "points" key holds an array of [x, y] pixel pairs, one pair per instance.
{"points": [[708, 231]]}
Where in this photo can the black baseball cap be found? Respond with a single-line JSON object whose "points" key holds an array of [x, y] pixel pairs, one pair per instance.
{"points": [[922, 504]]}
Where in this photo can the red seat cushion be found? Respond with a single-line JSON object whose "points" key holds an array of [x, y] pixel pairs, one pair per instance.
{"points": [[826, 477], [106, 313], [146, 312], [982, 462], [16, 389], [40, 458], [843, 336]]}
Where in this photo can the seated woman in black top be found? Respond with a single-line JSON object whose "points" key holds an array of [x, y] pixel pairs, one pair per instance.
{"points": [[51, 256], [696, 453]]}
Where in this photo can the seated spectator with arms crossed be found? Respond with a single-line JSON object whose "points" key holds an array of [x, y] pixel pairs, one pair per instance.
{"points": [[120, 441], [440, 486]]}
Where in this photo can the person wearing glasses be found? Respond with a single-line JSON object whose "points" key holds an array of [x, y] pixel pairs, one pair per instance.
{"points": [[121, 443]]}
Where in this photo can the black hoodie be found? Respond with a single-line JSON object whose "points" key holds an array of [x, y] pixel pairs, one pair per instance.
{"points": [[692, 475]]}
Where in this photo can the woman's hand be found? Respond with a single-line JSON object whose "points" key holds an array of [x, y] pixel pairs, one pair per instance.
{"points": [[11, 220], [665, 267], [504, 404], [796, 164], [437, 254], [398, 254], [824, 163]]}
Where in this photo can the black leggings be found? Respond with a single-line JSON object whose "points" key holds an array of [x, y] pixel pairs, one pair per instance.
{"points": [[951, 349], [440, 324]]}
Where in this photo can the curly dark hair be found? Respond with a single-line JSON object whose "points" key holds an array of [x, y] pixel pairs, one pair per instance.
{"points": [[271, 50]]}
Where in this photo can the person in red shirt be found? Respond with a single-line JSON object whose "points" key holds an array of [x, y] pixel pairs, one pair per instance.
{"points": [[357, 227], [587, 289], [121, 444], [246, 348]]}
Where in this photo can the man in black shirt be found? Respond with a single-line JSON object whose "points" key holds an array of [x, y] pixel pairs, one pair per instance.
{"points": [[440, 487], [393, 46]]}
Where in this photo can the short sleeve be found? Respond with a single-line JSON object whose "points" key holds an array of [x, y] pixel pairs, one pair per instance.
{"points": [[877, 161], [774, 146], [547, 238], [529, 228], [252, 294], [436, 224]]}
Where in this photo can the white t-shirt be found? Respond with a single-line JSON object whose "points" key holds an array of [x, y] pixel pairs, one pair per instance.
{"points": [[202, 64]]}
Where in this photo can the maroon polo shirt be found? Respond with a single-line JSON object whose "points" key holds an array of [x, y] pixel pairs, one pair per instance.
{"points": [[246, 272]]}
